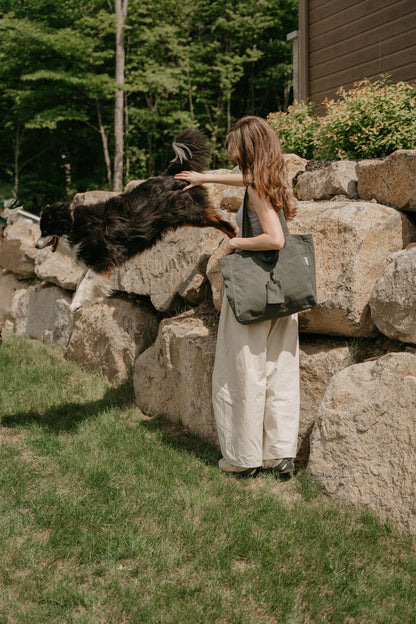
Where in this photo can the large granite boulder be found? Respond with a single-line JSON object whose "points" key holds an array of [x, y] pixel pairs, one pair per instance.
{"points": [[327, 181], [174, 269], [107, 337], [231, 197], [214, 275], [393, 299], [42, 312], [222, 196], [352, 243], [319, 359], [173, 377], [88, 198], [58, 268], [391, 180], [132, 185], [363, 444], [11, 290], [17, 248], [295, 165]]}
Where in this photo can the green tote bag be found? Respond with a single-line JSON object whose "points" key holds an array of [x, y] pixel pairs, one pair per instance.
{"points": [[263, 285]]}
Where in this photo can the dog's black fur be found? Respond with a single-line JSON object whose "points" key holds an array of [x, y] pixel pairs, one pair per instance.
{"points": [[106, 234]]}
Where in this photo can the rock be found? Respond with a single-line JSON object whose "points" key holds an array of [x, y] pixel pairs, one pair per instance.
{"points": [[363, 444], [17, 249], [173, 377], [391, 180], [132, 185], [174, 268], [107, 337], [393, 299], [43, 313], [58, 267], [319, 359], [11, 289], [232, 197], [333, 179], [19, 313], [214, 275], [216, 191], [294, 166], [90, 198], [352, 243]]}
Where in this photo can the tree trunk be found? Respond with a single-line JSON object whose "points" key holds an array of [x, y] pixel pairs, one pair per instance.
{"points": [[126, 132], [105, 146], [191, 104], [228, 112], [121, 14], [19, 137]]}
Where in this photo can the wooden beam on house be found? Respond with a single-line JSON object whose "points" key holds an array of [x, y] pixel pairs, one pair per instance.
{"points": [[303, 50], [294, 38]]}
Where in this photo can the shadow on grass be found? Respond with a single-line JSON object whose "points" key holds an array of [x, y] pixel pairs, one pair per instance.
{"points": [[67, 416], [179, 438]]}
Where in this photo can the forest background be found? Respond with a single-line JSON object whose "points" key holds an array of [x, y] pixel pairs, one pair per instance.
{"points": [[69, 122]]}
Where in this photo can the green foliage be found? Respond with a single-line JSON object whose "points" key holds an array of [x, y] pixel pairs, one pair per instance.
{"points": [[204, 66], [296, 128], [51, 79], [370, 120]]}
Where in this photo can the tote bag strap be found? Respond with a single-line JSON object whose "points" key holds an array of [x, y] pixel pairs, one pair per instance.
{"points": [[247, 230]]}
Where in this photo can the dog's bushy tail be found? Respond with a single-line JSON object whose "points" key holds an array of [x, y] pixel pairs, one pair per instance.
{"points": [[191, 152]]}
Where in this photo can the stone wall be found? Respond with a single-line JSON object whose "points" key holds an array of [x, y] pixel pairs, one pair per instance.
{"points": [[162, 322]]}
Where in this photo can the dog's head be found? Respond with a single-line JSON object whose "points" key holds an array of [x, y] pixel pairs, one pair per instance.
{"points": [[55, 221]]}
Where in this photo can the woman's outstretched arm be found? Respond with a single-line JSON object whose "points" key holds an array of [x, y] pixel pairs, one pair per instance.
{"points": [[196, 179]]}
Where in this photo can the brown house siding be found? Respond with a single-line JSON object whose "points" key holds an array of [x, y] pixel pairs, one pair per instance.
{"points": [[342, 41]]}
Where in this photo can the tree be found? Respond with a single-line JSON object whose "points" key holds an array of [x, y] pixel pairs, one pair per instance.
{"points": [[121, 15], [54, 76], [65, 98]]}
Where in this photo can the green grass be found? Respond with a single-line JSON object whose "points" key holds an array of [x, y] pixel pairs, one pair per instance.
{"points": [[109, 517]]}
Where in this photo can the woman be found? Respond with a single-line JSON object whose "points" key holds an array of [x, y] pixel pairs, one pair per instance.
{"points": [[256, 373]]}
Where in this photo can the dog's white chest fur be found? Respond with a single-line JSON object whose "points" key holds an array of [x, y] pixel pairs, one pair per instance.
{"points": [[91, 287]]}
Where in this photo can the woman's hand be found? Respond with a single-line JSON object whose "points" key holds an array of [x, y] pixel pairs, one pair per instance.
{"points": [[232, 245], [193, 177]]}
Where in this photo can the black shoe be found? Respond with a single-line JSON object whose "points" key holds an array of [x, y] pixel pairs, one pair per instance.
{"points": [[284, 467], [243, 473]]}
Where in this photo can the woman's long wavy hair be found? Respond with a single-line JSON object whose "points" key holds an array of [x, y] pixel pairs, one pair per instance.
{"points": [[254, 145]]}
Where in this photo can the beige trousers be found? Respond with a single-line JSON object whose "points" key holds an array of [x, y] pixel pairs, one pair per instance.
{"points": [[255, 389]]}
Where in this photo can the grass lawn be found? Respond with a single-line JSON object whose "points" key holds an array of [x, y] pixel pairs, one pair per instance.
{"points": [[109, 517]]}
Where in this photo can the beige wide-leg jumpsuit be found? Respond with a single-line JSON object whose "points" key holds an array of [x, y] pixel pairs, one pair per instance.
{"points": [[255, 386]]}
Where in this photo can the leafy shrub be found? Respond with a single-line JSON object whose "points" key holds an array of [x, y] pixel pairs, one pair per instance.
{"points": [[296, 128], [370, 120]]}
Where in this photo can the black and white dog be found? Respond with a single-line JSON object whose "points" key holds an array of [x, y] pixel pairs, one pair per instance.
{"points": [[104, 235]]}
